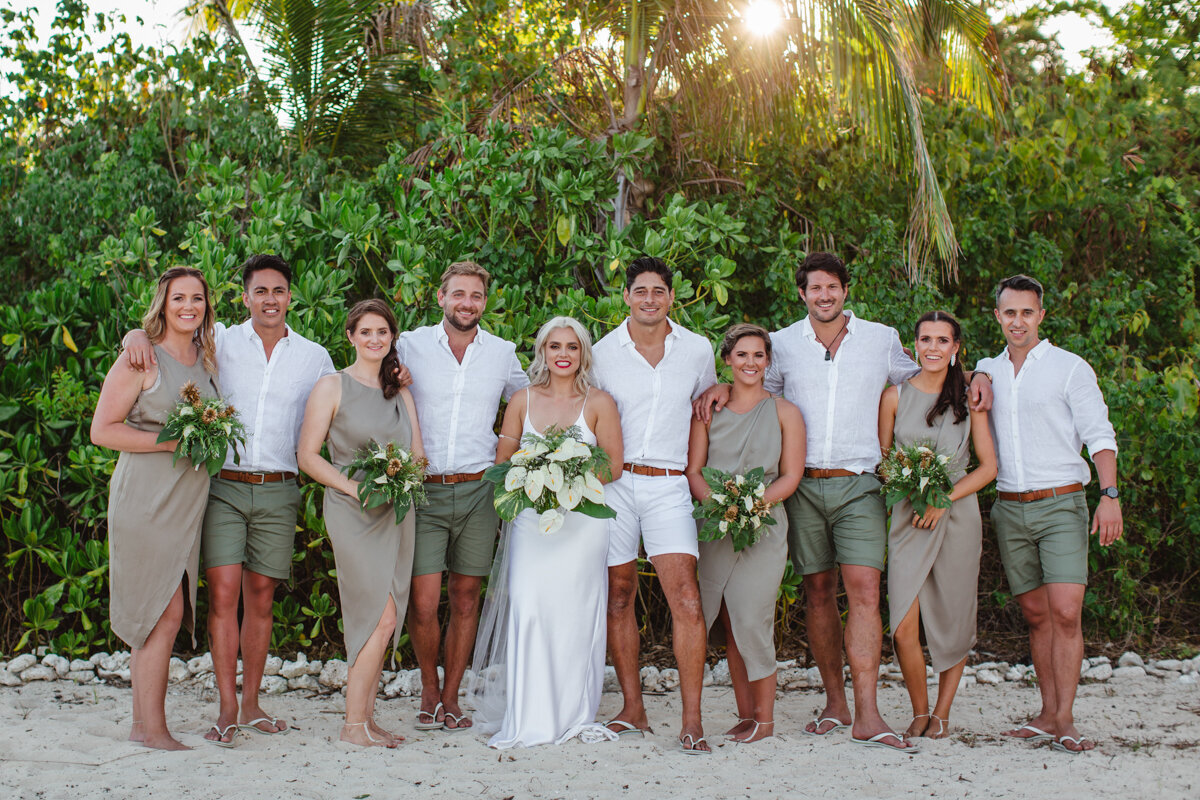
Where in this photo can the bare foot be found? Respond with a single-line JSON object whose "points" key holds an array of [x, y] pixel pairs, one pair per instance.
{"points": [[630, 715], [163, 741], [1037, 729], [223, 731], [744, 726], [1072, 741], [757, 732], [828, 721], [382, 733], [262, 722], [691, 737], [917, 727], [943, 727], [136, 732], [360, 734], [456, 720]]}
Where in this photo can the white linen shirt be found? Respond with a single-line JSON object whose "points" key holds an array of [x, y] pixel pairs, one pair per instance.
{"points": [[1042, 416], [840, 398], [655, 402], [269, 395], [457, 403]]}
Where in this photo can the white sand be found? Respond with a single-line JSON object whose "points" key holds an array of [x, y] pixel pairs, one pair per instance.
{"points": [[61, 740]]}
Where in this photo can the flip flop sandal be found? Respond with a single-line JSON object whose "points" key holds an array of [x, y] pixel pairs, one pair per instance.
{"points": [[1039, 735], [456, 718], [1058, 745], [819, 721], [753, 733], [690, 745], [253, 724], [878, 741], [222, 733], [625, 729], [433, 724]]}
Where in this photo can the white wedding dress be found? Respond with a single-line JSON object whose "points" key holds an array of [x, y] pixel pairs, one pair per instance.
{"points": [[539, 657]]}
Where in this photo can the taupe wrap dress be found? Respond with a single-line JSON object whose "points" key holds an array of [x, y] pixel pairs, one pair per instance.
{"points": [[372, 553], [939, 567], [747, 581], [155, 513]]}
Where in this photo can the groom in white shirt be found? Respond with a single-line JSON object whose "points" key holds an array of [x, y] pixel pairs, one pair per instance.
{"points": [[1048, 406], [654, 369]]}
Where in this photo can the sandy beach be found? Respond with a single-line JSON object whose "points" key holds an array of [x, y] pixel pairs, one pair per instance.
{"points": [[62, 740]]}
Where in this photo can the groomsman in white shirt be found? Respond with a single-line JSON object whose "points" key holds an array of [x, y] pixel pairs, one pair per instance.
{"points": [[654, 369], [1047, 407], [267, 372], [459, 372], [835, 366]]}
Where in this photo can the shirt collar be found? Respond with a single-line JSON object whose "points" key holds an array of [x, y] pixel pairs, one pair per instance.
{"points": [[439, 333], [1040, 349], [253, 336], [626, 339], [806, 327]]}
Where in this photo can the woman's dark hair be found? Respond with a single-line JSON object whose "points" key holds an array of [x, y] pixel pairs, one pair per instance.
{"points": [[389, 377], [647, 264], [740, 331], [954, 390]]}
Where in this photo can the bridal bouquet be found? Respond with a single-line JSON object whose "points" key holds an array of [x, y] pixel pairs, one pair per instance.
{"points": [[390, 474], [552, 473], [734, 508], [918, 473], [206, 429]]}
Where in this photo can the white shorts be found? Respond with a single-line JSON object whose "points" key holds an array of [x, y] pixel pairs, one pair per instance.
{"points": [[658, 509]]}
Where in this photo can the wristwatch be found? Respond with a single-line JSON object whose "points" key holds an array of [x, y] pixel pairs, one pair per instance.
{"points": [[1110, 491]]}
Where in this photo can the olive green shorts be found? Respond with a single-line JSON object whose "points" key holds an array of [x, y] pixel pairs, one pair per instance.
{"points": [[1045, 541], [251, 524], [835, 521], [456, 529]]}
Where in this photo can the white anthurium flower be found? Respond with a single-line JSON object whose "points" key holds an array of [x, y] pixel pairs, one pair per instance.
{"points": [[186, 411], [755, 522], [749, 502], [535, 479], [906, 471], [718, 498], [188, 431], [550, 521], [593, 489], [554, 477], [570, 494], [943, 459], [522, 456], [923, 482], [382, 479], [228, 428], [514, 479], [761, 490], [923, 449], [740, 480], [723, 526]]}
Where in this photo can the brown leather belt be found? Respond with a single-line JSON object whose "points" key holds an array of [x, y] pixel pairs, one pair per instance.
{"points": [[256, 478], [458, 477], [653, 472], [828, 473], [1040, 494]]}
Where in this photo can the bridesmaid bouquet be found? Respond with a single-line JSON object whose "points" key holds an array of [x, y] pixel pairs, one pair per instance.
{"points": [[734, 507], [552, 473], [206, 429], [390, 474], [917, 473]]}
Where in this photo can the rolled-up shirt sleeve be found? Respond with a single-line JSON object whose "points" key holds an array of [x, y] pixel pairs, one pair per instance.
{"points": [[900, 366], [773, 379], [517, 379], [1089, 412], [706, 374]]}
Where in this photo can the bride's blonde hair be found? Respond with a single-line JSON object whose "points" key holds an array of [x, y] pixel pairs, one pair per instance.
{"points": [[539, 373]]}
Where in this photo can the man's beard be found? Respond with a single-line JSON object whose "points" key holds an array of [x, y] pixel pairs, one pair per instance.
{"points": [[458, 326]]}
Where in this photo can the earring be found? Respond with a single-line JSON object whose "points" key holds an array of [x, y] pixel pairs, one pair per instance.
{"points": [[952, 359]]}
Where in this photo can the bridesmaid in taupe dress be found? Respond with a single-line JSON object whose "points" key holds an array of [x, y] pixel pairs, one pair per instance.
{"points": [[155, 511], [739, 589], [373, 554], [933, 561]]}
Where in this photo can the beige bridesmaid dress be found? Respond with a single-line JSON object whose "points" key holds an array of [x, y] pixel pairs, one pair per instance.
{"points": [[938, 567], [747, 581], [155, 513], [372, 553]]}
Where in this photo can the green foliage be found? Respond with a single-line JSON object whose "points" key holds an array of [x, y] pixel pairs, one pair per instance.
{"points": [[119, 166]]}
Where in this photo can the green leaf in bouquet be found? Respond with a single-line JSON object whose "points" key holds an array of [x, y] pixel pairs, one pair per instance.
{"points": [[510, 504], [497, 472], [596, 510]]}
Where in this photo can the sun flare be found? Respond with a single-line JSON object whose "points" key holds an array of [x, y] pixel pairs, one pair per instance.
{"points": [[762, 17]]}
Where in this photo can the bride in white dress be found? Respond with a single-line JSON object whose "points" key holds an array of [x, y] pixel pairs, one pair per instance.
{"points": [[539, 656]]}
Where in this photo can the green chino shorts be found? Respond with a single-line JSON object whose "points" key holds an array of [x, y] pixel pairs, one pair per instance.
{"points": [[1045, 541], [251, 524], [456, 529], [835, 521]]}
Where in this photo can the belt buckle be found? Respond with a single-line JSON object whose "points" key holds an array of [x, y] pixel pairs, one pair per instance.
{"points": [[262, 478]]}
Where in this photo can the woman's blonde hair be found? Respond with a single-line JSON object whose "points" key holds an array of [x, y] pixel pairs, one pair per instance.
{"points": [[154, 321], [539, 373]]}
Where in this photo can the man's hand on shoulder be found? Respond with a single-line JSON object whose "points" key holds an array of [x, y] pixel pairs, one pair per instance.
{"points": [[979, 393], [714, 399], [139, 350], [405, 376]]}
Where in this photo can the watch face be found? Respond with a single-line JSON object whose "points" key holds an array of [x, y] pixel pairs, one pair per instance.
{"points": [[1111, 491]]}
